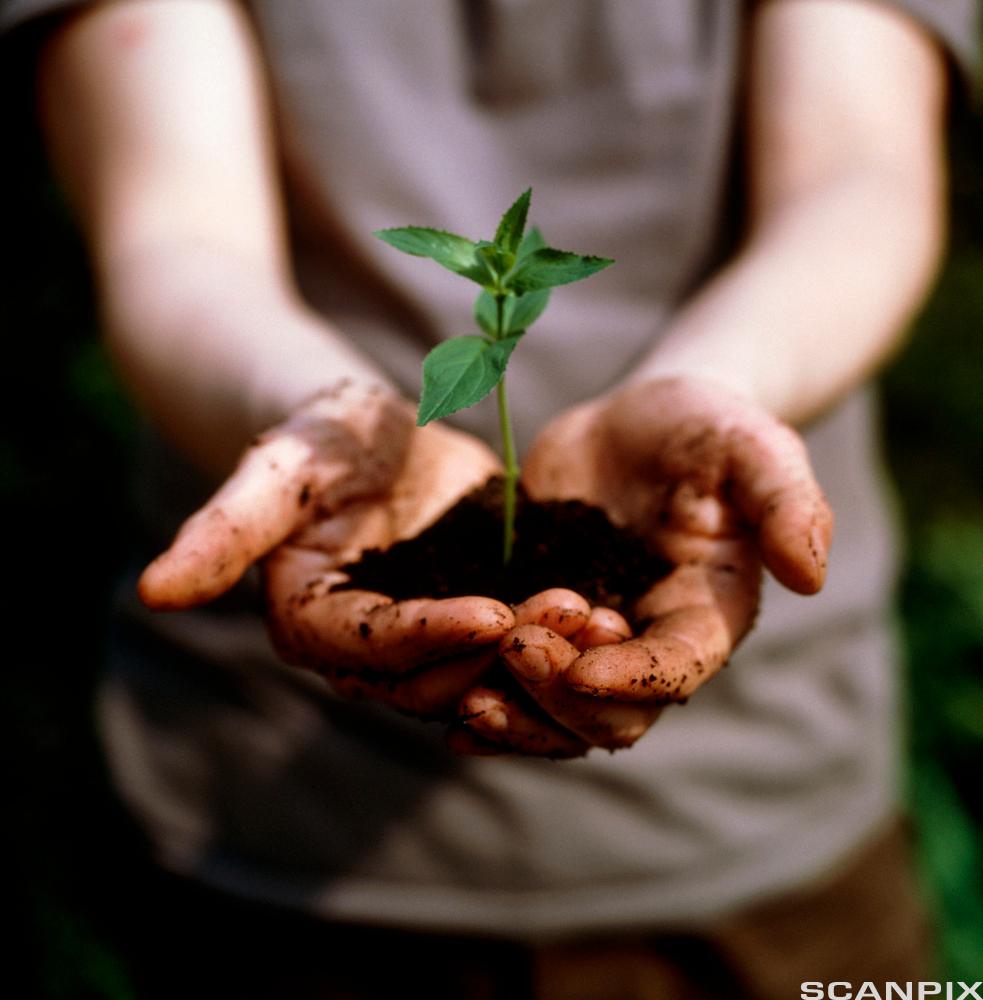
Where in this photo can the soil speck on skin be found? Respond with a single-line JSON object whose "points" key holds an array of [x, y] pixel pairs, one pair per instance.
{"points": [[364, 629], [557, 544]]}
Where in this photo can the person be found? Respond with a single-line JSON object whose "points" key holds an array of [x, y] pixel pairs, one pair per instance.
{"points": [[662, 390]]}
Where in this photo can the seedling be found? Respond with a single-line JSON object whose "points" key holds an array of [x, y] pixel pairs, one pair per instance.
{"points": [[516, 271]]}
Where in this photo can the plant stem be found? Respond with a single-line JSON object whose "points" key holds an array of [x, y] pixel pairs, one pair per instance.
{"points": [[511, 470], [508, 444]]}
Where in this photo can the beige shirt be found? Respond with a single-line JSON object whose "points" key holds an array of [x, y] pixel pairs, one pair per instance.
{"points": [[439, 112]]}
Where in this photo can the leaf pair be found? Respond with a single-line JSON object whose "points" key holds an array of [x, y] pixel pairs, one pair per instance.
{"points": [[516, 271]]}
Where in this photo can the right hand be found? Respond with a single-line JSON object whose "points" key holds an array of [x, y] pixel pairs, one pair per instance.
{"points": [[719, 488], [348, 471]]}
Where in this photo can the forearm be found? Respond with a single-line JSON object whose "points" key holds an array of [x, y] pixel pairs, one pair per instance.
{"points": [[157, 119], [845, 188], [216, 348], [815, 301]]}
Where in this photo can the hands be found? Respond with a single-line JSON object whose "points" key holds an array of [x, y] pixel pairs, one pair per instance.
{"points": [[348, 471], [719, 487]]}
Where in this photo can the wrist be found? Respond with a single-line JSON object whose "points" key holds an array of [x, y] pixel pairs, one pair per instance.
{"points": [[350, 402], [698, 368], [677, 408], [303, 357], [679, 388], [217, 348], [354, 433]]}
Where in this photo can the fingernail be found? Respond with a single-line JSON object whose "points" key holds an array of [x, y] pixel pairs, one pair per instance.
{"points": [[532, 662]]}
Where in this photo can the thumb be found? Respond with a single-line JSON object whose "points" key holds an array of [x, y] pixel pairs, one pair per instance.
{"points": [[343, 443], [777, 490], [264, 501]]}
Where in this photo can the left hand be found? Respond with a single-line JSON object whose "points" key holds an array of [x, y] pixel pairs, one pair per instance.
{"points": [[719, 487], [347, 471]]}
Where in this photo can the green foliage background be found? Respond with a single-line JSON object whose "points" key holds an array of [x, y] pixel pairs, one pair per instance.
{"points": [[65, 453]]}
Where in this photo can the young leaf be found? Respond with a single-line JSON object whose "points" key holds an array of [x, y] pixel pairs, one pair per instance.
{"points": [[494, 258], [486, 314], [531, 242], [509, 233], [459, 373], [518, 312], [546, 268], [526, 310], [456, 253]]}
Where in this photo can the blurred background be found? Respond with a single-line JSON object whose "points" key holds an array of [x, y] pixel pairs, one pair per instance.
{"points": [[65, 452]]}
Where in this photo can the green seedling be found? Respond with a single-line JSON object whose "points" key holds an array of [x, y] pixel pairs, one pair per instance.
{"points": [[516, 271]]}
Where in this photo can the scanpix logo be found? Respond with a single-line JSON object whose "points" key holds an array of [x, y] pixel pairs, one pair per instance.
{"points": [[890, 991]]}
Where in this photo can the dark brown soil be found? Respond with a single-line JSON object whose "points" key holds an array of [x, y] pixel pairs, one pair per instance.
{"points": [[557, 544]]}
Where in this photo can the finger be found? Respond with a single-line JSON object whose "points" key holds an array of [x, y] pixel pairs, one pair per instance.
{"points": [[313, 625], [497, 717], [604, 627], [696, 616], [724, 573], [362, 629], [775, 487], [259, 506], [430, 692], [540, 659], [563, 611], [353, 440], [679, 652], [722, 442]]}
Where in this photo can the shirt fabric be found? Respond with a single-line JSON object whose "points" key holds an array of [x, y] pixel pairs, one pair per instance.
{"points": [[249, 775]]}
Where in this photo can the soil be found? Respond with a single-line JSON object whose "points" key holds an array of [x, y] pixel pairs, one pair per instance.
{"points": [[557, 544]]}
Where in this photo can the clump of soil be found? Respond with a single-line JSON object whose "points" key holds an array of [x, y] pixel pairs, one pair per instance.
{"points": [[557, 544]]}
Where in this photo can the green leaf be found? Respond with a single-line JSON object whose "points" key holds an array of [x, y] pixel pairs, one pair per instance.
{"points": [[526, 310], [518, 312], [485, 313], [456, 253], [546, 268], [495, 260], [531, 242], [508, 236], [460, 372]]}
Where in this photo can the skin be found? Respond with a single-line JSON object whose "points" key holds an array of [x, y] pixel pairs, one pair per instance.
{"points": [[719, 488], [348, 471], [845, 188], [158, 123]]}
